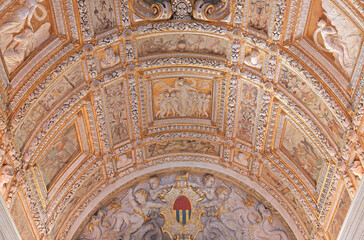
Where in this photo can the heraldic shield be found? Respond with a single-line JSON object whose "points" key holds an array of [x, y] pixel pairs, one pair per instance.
{"points": [[182, 209], [181, 213]]}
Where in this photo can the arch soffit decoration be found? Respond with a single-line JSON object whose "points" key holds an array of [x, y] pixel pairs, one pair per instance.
{"points": [[266, 83]]}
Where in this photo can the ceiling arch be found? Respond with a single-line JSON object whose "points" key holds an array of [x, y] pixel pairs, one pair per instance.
{"points": [[95, 92]]}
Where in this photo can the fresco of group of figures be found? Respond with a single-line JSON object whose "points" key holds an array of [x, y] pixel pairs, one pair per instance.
{"points": [[103, 15], [182, 43], [183, 206], [339, 217], [62, 151], [70, 80], [247, 113], [303, 92], [22, 30], [182, 97], [182, 146], [259, 14], [302, 151], [117, 111], [277, 183]]}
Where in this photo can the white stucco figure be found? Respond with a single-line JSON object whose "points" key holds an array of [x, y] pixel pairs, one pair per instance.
{"points": [[341, 38], [141, 209], [110, 59], [18, 37], [156, 189], [253, 60], [332, 43], [265, 228], [183, 99], [6, 174]]}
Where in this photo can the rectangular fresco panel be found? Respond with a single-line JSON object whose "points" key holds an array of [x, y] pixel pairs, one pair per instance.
{"points": [[65, 149], [341, 211], [182, 146], [303, 92], [182, 97], [302, 152], [247, 112], [46, 101], [103, 15], [21, 220], [182, 43], [116, 112], [259, 14], [276, 182]]}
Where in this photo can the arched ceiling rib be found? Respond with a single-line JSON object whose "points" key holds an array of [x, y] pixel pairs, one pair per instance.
{"points": [[93, 92]]}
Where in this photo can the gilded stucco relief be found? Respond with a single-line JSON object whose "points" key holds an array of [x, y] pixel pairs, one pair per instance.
{"points": [[98, 96], [182, 146], [182, 97], [23, 30], [188, 43], [184, 207]]}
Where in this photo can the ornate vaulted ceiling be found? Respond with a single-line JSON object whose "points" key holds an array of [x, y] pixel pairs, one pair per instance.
{"points": [[97, 96]]}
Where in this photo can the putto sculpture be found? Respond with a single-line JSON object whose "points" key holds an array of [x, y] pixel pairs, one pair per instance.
{"points": [[184, 206]]}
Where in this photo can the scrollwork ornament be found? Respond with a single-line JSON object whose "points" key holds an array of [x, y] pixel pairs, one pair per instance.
{"points": [[278, 22], [231, 107], [85, 21]]}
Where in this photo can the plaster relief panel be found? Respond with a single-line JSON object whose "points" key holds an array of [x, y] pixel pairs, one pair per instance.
{"points": [[182, 97], [294, 202], [242, 159], [123, 161], [110, 57], [306, 95], [103, 15], [187, 96], [23, 29], [259, 17], [302, 151], [334, 35], [54, 94], [184, 207], [247, 111], [182, 44], [182, 147], [117, 110], [253, 58]]}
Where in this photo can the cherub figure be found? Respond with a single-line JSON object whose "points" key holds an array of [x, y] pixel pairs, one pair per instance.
{"points": [[207, 189], [141, 210], [157, 190], [229, 219], [6, 174], [253, 60], [110, 59]]}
